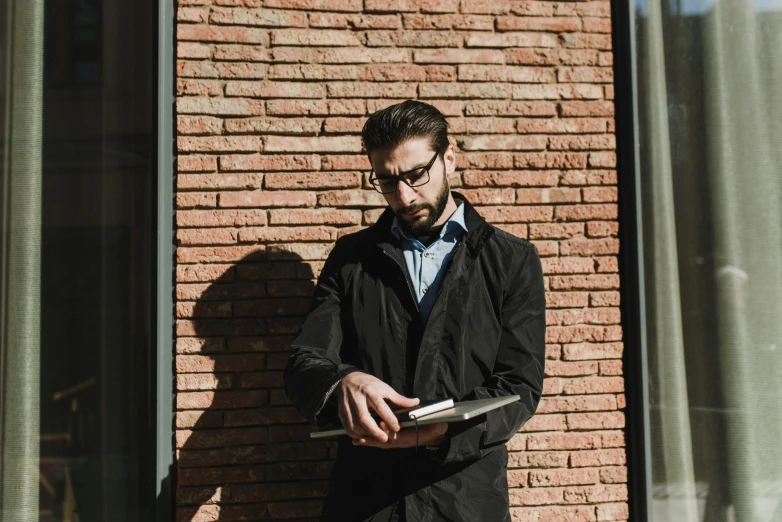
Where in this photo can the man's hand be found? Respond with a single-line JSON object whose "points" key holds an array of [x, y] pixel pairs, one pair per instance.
{"points": [[360, 391], [429, 435]]}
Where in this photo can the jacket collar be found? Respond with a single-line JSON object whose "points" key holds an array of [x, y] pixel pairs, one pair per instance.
{"points": [[478, 231]]}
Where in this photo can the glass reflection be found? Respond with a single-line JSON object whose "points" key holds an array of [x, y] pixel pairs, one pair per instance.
{"points": [[710, 115]]}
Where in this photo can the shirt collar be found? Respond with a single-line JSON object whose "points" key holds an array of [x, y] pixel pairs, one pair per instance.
{"points": [[454, 224]]}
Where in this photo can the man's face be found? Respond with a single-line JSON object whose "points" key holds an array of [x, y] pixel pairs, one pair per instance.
{"points": [[418, 208]]}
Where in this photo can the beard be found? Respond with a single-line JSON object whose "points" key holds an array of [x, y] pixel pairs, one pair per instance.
{"points": [[436, 209]]}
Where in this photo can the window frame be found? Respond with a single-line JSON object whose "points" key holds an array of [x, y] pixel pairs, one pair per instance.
{"points": [[165, 470], [631, 268]]}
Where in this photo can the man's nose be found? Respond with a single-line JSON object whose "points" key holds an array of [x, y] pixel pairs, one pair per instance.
{"points": [[405, 194]]}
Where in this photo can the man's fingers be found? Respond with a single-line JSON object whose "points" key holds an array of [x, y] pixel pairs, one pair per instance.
{"points": [[439, 428], [366, 421], [401, 400], [382, 409]]}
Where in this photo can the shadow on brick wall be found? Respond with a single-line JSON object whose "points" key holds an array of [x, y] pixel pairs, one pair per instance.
{"points": [[244, 452]]}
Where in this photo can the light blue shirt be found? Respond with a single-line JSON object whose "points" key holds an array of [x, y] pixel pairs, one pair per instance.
{"points": [[426, 265]]}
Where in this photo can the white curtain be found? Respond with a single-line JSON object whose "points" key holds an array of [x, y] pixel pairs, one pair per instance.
{"points": [[710, 115]]}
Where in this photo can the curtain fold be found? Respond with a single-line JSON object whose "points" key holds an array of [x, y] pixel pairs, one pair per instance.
{"points": [[662, 281], [710, 105], [21, 260]]}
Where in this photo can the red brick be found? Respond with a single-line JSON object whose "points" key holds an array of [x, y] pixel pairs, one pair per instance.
{"points": [[613, 511], [556, 230], [602, 159], [594, 494], [193, 50], [199, 125], [196, 200], [604, 299], [484, 6], [576, 404], [589, 177], [556, 92], [319, 37], [316, 5], [585, 74], [498, 73], [241, 53], [192, 14], [296, 251], [264, 198], [613, 475], [302, 126], [338, 55], [269, 162], [549, 160], [220, 218], [610, 367], [458, 56], [563, 477], [257, 17], [527, 23], [207, 236], [315, 216], [605, 457], [493, 142], [511, 178], [287, 234], [569, 514], [596, 421], [354, 21], [316, 144], [580, 333], [548, 195], [538, 459], [214, 33], [351, 198], [586, 212], [196, 163], [597, 25], [589, 247], [513, 39], [586, 351], [219, 106], [275, 90], [371, 90], [531, 56], [198, 87], [587, 41], [510, 108], [313, 72], [390, 6], [564, 368], [218, 144], [312, 180], [561, 126], [448, 21]]}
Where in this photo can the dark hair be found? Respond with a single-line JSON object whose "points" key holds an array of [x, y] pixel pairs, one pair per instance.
{"points": [[409, 120]]}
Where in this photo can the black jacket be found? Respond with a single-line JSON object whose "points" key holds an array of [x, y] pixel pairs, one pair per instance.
{"points": [[485, 337]]}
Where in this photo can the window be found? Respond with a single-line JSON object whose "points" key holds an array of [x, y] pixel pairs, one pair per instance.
{"points": [[709, 175], [78, 272]]}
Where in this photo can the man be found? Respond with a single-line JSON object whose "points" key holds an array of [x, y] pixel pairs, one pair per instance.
{"points": [[431, 302]]}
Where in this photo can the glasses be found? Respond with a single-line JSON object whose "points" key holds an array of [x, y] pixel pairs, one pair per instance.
{"points": [[387, 184]]}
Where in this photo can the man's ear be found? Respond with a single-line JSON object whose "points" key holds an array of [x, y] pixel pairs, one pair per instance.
{"points": [[449, 158]]}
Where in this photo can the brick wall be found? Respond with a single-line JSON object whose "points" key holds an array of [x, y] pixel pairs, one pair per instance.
{"points": [[271, 96]]}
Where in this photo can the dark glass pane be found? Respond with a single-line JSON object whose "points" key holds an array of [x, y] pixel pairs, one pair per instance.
{"points": [[97, 258]]}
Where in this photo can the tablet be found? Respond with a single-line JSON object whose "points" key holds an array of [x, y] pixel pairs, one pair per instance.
{"points": [[461, 411]]}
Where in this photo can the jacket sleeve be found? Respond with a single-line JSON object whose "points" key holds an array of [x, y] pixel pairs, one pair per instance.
{"points": [[518, 368], [314, 367]]}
